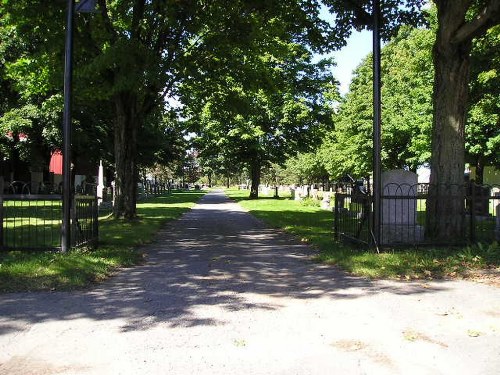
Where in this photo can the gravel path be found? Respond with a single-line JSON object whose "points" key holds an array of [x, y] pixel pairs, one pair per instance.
{"points": [[223, 294]]}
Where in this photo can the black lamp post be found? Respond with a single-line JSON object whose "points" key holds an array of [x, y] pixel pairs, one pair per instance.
{"points": [[377, 109], [82, 6], [68, 75]]}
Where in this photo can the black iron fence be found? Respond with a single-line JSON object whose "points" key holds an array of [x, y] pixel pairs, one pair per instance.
{"points": [[33, 222], [85, 221], [405, 219]]}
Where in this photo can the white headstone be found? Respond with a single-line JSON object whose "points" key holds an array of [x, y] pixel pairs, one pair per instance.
{"points": [[325, 203], [100, 182], [399, 184], [399, 208]]}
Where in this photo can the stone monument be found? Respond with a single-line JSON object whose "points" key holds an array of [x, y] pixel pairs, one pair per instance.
{"points": [[399, 208]]}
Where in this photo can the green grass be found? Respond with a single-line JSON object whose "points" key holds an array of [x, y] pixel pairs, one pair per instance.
{"points": [[313, 225], [118, 241]]}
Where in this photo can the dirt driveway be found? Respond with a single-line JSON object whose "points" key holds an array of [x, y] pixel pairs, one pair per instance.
{"points": [[223, 294]]}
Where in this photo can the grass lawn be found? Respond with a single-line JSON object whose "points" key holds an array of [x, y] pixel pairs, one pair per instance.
{"points": [[28, 271], [311, 224]]}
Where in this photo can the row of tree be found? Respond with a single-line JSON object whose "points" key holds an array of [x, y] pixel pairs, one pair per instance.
{"points": [[242, 70]]}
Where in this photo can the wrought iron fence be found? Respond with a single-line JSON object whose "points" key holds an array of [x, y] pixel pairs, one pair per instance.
{"points": [[30, 222], [33, 222], [404, 216], [85, 221]]}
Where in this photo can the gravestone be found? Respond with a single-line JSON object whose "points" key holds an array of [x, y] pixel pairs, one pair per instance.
{"points": [[100, 183], [314, 193], [292, 192], [301, 193], [325, 203], [399, 208]]}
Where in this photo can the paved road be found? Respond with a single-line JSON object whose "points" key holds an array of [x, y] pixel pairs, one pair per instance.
{"points": [[223, 294]]}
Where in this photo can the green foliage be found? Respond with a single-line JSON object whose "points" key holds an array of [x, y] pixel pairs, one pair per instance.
{"points": [[131, 55], [407, 109], [26, 271], [482, 140], [241, 123], [407, 77], [304, 168]]}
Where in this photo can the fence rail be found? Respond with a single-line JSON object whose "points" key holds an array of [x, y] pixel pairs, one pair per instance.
{"points": [[33, 222], [404, 217]]}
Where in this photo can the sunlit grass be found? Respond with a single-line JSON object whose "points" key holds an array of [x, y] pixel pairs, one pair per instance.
{"points": [[118, 241], [315, 226]]}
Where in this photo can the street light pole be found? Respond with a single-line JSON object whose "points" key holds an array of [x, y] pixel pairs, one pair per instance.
{"points": [[68, 75], [377, 109]]}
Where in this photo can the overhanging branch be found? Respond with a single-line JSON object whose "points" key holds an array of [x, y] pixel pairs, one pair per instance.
{"points": [[487, 18]]}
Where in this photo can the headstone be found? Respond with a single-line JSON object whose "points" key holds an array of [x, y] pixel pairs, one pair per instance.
{"points": [[399, 208], [298, 193], [292, 192], [100, 182], [314, 193], [325, 203], [79, 179], [399, 184]]}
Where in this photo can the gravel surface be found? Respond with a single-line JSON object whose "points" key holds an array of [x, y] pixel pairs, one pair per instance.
{"points": [[221, 293]]}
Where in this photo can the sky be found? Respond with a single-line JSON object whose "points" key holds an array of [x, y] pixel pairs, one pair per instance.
{"points": [[348, 58]]}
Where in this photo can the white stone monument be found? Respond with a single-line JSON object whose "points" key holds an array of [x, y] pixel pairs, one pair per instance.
{"points": [[100, 182], [399, 208]]}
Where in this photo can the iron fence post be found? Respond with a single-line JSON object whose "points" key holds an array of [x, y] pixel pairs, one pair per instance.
{"points": [[1, 218], [336, 217], [95, 222], [473, 213]]}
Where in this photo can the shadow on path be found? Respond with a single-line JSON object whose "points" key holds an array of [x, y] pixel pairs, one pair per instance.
{"points": [[215, 256]]}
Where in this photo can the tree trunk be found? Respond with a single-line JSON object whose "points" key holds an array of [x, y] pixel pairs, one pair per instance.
{"points": [[126, 174], [255, 176], [445, 205]]}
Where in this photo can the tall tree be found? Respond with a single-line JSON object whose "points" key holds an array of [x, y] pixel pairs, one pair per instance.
{"points": [[459, 22], [263, 124]]}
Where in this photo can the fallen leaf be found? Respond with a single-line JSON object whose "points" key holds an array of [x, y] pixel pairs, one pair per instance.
{"points": [[473, 333]]}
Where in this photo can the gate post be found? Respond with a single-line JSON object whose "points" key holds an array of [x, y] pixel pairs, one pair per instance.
{"points": [[336, 217]]}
